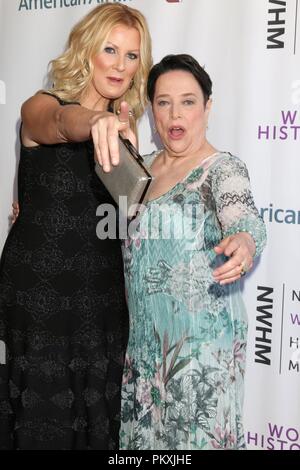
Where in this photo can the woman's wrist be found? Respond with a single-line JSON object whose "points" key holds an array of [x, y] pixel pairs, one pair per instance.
{"points": [[249, 241]]}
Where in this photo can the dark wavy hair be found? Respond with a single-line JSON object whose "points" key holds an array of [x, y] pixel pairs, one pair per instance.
{"points": [[179, 62]]}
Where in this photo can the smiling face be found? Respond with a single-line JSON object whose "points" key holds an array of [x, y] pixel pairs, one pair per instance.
{"points": [[115, 65], [179, 113]]}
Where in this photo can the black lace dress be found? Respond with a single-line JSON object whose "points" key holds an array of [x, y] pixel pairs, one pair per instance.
{"points": [[63, 313]]}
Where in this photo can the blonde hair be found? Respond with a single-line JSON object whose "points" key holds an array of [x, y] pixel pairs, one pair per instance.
{"points": [[72, 71]]}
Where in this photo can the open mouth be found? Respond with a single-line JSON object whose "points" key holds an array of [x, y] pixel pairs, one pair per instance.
{"points": [[176, 132]]}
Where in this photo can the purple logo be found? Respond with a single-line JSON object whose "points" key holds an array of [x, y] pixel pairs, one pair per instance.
{"points": [[278, 437], [287, 129]]}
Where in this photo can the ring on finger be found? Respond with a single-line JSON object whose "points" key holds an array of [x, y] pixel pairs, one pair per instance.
{"points": [[130, 114], [244, 268]]}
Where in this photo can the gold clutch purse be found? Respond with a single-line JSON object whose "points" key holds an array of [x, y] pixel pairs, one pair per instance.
{"points": [[128, 182]]}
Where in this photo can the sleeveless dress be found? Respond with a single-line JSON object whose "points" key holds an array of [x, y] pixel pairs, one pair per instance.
{"points": [[63, 312], [185, 362]]}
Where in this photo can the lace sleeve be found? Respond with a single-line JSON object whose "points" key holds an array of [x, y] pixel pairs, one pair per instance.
{"points": [[234, 202]]}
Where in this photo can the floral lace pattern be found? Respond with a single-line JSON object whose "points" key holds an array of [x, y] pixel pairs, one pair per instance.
{"points": [[184, 371]]}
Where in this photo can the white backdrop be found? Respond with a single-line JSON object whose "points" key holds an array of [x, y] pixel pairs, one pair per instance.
{"points": [[251, 49]]}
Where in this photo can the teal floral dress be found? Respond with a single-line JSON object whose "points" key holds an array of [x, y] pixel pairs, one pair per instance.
{"points": [[185, 362]]}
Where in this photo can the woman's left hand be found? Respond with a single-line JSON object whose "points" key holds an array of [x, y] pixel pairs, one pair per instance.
{"points": [[240, 248], [15, 212]]}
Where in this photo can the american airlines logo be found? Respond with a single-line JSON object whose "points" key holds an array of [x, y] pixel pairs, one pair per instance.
{"points": [[30, 5], [56, 4]]}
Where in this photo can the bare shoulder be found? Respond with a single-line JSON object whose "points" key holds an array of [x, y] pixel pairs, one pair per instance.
{"points": [[37, 112], [37, 103]]}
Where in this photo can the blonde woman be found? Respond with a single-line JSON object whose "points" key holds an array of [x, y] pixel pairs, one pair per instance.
{"points": [[63, 314]]}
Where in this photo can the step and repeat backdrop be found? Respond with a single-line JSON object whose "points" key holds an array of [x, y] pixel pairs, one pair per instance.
{"points": [[251, 49]]}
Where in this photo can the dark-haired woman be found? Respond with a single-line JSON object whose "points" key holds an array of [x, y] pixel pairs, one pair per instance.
{"points": [[184, 371]]}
